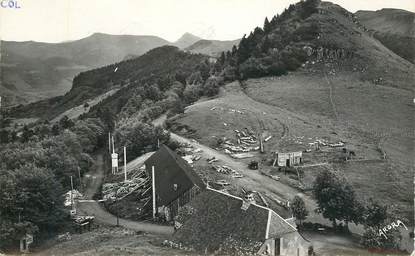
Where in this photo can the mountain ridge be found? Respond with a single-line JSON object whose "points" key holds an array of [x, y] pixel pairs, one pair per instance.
{"points": [[186, 40], [42, 70]]}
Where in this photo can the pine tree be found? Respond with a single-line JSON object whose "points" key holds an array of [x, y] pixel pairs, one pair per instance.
{"points": [[266, 45], [267, 25], [222, 58], [243, 50], [274, 20]]}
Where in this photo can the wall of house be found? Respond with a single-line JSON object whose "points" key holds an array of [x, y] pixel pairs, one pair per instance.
{"points": [[267, 248], [290, 245], [171, 210], [293, 244]]}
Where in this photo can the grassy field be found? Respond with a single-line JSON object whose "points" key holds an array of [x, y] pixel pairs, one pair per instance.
{"points": [[79, 110], [372, 119], [299, 108], [110, 241]]}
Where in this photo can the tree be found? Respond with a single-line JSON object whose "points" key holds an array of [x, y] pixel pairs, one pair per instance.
{"points": [[335, 198], [191, 93], [308, 7], [243, 50], [211, 87], [177, 107], [107, 117], [66, 123], [26, 134], [376, 214], [4, 136], [267, 25], [30, 199], [266, 44], [374, 241], [222, 58], [298, 209]]}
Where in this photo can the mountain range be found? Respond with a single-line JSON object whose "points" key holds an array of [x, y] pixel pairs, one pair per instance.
{"points": [[32, 71]]}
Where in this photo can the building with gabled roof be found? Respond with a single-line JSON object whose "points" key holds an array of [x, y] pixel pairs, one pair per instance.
{"points": [[176, 183], [217, 221]]}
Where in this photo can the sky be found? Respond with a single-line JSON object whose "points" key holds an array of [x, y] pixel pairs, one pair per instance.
{"points": [[63, 20]]}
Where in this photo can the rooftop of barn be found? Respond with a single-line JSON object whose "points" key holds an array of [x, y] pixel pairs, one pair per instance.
{"points": [[215, 221]]}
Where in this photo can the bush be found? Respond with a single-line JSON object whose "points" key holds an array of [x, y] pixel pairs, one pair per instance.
{"points": [[211, 87], [33, 194], [192, 93]]}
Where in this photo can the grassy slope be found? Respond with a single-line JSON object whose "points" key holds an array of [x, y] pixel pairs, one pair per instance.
{"points": [[389, 20], [298, 105], [212, 48], [111, 241], [371, 60], [366, 114], [75, 112]]}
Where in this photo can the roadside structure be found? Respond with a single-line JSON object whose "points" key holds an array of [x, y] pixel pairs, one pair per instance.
{"points": [[219, 222], [175, 183], [289, 159]]}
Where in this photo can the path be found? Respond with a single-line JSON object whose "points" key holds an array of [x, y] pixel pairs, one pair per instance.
{"points": [[333, 106], [92, 181]]}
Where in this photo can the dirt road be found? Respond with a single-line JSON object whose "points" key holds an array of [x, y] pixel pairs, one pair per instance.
{"points": [[93, 181]]}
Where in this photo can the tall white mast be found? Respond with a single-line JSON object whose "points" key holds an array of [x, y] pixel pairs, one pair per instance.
{"points": [[153, 181], [125, 163]]}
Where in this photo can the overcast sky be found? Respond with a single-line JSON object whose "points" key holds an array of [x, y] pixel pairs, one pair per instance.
{"points": [[61, 20]]}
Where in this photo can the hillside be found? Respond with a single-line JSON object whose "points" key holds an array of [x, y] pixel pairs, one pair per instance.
{"points": [[392, 27], [308, 34], [186, 40], [388, 20], [307, 76], [212, 47], [37, 71], [161, 67]]}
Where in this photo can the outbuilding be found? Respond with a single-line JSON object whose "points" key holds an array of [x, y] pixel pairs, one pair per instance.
{"points": [[289, 159]]}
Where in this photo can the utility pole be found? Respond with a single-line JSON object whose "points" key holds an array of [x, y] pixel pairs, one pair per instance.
{"points": [[109, 143], [80, 180], [113, 148], [153, 181], [125, 163], [116, 200], [72, 194]]}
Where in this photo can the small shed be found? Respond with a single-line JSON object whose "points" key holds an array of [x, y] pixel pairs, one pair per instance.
{"points": [[25, 242], [289, 159]]}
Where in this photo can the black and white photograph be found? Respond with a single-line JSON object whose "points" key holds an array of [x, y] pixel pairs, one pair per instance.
{"points": [[207, 127]]}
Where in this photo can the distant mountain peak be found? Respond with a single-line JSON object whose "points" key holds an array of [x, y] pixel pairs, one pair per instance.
{"points": [[186, 40]]}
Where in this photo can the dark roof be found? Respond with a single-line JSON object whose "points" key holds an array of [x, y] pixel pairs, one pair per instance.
{"points": [[218, 221], [171, 169]]}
